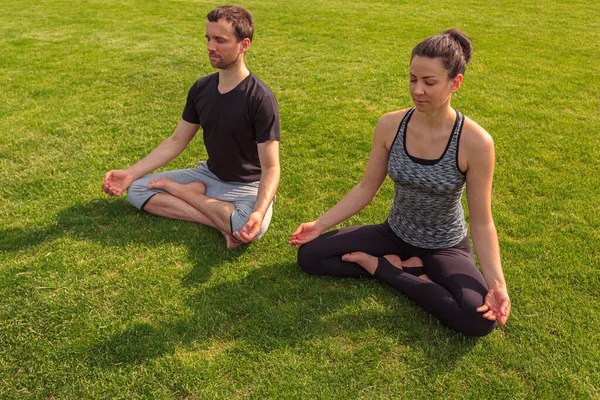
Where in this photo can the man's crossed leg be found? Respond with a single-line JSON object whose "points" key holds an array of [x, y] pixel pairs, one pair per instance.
{"points": [[197, 195]]}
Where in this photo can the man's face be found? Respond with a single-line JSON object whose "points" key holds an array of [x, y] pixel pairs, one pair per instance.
{"points": [[224, 51]]}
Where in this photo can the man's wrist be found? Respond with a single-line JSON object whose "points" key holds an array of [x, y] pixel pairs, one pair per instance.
{"points": [[262, 213]]}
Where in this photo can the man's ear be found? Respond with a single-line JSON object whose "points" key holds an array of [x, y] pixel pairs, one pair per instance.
{"points": [[246, 44], [456, 82]]}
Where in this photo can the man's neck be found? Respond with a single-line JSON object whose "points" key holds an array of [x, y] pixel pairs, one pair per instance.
{"points": [[231, 77]]}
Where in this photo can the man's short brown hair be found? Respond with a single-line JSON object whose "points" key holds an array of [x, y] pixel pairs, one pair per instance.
{"points": [[240, 18]]}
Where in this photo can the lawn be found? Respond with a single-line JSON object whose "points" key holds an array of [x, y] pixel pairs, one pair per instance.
{"points": [[102, 301]]}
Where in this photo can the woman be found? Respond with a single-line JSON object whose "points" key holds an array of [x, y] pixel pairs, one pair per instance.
{"points": [[431, 152]]}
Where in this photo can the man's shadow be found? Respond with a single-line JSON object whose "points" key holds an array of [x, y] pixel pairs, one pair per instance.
{"points": [[273, 306], [115, 223], [279, 306]]}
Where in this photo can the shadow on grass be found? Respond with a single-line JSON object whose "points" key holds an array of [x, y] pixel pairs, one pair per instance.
{"points": [[276, 307], [115, 223], [273, 307]]}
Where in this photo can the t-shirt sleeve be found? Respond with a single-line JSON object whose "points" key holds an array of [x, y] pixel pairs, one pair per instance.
{"points": [[266, 119], [189, 112]]}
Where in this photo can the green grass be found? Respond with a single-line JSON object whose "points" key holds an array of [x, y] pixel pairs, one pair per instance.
{"points": [[101, 301]]}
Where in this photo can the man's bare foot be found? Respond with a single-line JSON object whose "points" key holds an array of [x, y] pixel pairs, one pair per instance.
{"points": [[175, 188], [232, 242], [367, 261], [168, 185], [196, 187]]}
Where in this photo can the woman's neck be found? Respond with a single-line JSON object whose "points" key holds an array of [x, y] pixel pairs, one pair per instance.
{"points": [[435, 119]]}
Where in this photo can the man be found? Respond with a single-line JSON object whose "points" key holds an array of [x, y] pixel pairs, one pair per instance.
{"points": [[233, 190]]}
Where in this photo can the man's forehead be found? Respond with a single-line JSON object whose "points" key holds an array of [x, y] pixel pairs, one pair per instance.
{"points": [[221, 27]]}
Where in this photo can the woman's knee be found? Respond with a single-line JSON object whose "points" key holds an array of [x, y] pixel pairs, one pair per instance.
{"points": [[304, 258], [307, 259], [473, 322], [475, 325]]}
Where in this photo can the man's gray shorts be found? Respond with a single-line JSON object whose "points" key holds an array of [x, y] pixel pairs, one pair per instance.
{"points": [[241, 194]]}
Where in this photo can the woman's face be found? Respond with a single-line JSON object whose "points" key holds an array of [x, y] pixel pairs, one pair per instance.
{"points": [[429, 85]]}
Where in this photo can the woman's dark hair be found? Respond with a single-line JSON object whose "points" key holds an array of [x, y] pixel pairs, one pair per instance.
{"points": [[240, 18], [453, 47]]}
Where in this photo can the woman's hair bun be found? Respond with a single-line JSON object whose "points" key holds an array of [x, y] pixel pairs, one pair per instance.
{"points": [[463, 40]]}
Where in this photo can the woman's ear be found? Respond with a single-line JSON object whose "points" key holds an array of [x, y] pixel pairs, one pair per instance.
{"points": [[456, 82]]}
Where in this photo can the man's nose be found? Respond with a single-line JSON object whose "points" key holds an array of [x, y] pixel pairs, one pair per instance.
{"points": [[210, 45]]}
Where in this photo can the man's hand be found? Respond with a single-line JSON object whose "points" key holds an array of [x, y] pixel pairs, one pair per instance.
{"points": [[496, 306], [251, 229], [116, 182], [305, 233]]}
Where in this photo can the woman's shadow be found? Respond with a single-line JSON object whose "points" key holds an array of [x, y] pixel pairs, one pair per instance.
{"points": [[114, 223]]}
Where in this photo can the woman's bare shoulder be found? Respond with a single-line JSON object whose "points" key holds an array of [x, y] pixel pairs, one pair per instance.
{"points": [[387, 127], [391, 121], [475, 137]]}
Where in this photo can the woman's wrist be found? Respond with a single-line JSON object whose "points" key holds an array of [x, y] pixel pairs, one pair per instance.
{"points": [[320, 225], [497, 284]]}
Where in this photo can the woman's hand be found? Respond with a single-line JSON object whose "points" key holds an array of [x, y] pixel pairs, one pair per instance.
{"points": [[496, 306], [305, 233]]}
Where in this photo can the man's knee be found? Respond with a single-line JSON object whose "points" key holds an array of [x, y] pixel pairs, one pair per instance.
{"points": [[241, 214], [138, 194]]}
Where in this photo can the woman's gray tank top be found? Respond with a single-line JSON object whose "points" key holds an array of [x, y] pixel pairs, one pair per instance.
{"points": [[427, 210]]}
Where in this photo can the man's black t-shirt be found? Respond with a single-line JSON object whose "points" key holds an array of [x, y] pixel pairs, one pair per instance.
{"points": [[233, 123]]}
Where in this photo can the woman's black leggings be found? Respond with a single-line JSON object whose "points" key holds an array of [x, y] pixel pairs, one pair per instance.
{"points": [[457, 290]]}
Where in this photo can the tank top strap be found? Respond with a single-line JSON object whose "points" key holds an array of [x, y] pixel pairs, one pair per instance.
{"points": [[455, 139], [402, 128], [401, 132], [458, 126]]}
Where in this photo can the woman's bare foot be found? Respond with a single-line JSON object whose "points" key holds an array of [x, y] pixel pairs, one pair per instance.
{"points": [[175, 188], [367, 261], [394, 260], [413, 262]]}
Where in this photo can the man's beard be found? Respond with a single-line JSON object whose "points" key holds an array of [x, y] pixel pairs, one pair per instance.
{"points": [[224, 64]]}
